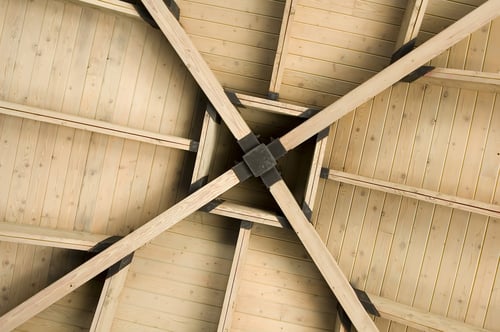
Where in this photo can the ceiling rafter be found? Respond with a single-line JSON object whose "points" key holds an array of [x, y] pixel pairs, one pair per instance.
{"points": [[293, 138], [235, 275], [47, 236], [96, 126], [461, 78], [421, 194]]}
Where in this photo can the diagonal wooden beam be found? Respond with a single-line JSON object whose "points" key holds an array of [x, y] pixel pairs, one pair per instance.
{"points": [[197, 66], [393, 73], [322, 258], [117, 251], [97, 126], [421, 194]]}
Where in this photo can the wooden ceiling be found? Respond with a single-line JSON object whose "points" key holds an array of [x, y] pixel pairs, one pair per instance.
{"points": [[105, 130]]}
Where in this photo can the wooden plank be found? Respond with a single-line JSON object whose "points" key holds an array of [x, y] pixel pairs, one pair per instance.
{"points": [[272, 106], [51, 237], [108, 301], [412, 21], [418, 193], [198, 67], [393, 73], [322, 257], [102, 127], [418, 318], [243, 212], [233, 284], [108, 257], [282, 48], [117, 6], [461, 78]]}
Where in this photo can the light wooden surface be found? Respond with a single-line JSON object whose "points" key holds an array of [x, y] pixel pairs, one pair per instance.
{"points": [[393, 73], [177, 282], [198, 67], [281, 288], [106, 258], [333, 46], [321, 256]]}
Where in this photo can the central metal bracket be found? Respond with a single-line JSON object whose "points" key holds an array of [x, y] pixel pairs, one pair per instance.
{"points": [[259, 160]]}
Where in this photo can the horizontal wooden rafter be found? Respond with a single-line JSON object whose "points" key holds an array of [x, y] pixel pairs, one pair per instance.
{"points": [[418, 318], [117, 6], [97, 126], [460, 78], [49, 237], [272, 106], [421, 194], [243, 212]]}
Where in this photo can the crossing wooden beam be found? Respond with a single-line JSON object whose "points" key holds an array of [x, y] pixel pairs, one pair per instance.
{"points": [[393, 73], [97, 126], [325, 262], [197, 66], [117, 251], [421, 194]]}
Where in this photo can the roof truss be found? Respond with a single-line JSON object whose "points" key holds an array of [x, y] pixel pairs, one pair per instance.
{"points": [[279, 190]]}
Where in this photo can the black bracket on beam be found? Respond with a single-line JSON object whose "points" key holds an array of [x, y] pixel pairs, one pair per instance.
{"points": [[213, 113], [277, 149], [233, 98], [322, 134], [211, 205], [103, 245], [345, 321], [273, 95], [259, 160], [198, 184], [309, 113], [366, 302], [417, 73], [307, 210], [324, 173]]}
